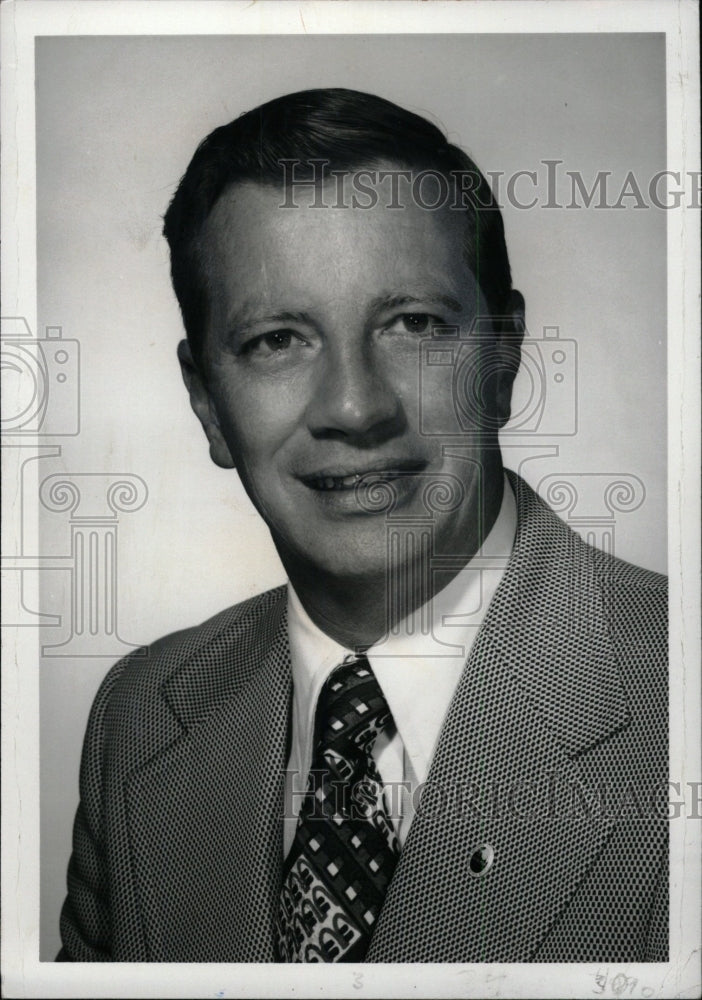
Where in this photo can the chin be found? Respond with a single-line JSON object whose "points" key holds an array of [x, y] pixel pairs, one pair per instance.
{"points": [[349, 554]]}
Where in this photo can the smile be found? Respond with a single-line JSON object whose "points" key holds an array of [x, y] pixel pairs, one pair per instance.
{"points": [[333, 480], [350, 482]]}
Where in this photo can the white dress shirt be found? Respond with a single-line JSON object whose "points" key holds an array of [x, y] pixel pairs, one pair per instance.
{"points": [[418, 672]]}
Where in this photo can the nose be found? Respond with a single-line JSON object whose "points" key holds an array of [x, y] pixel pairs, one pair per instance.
{"points": [[354, 397]]}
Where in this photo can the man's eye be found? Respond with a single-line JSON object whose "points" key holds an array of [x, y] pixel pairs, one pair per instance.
{"points": [[415, 322], [270, 343]]}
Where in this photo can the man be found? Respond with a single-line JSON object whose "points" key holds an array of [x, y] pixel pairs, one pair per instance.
{"points": [[416, 751]]}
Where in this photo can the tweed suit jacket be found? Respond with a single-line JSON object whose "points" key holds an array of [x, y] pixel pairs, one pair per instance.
{"points": [[553, 752]]}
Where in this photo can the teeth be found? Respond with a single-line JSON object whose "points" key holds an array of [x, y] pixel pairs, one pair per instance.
{"points": [[337, 482], [347, 482]]}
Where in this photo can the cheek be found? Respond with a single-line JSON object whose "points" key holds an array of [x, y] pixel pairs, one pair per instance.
{"points": [[258, 419], [400, 368], [435, 394]]}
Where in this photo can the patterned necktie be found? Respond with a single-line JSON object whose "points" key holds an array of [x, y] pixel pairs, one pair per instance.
{"points": [[345, 849]]}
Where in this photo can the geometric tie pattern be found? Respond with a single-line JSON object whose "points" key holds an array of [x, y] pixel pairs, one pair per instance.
{"points": [[345, 849]]}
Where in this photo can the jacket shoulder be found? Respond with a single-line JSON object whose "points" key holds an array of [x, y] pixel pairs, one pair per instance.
{"points": [[549, 538], [636, 600], [147, 668], [619, 573]]}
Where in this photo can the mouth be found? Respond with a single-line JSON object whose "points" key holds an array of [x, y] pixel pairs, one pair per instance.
{"points": [[338, 479]]}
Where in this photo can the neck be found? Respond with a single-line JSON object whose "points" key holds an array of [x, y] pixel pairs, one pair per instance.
{"points": [[356, 612]]}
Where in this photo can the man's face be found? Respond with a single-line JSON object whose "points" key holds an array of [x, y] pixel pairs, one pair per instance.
{"points": [[311, 373]]}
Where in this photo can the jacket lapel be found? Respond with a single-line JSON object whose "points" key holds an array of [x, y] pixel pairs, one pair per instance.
{"points": [[209, 881], [541, 685]]}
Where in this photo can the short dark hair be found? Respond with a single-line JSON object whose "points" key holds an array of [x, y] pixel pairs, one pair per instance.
{"points": [[348, 129]]}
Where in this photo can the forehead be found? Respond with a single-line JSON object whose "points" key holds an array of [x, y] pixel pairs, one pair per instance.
{"points": [[250, 238]]}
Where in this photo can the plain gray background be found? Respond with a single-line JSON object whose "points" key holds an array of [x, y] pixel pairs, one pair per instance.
{"points": [[117, 121]]}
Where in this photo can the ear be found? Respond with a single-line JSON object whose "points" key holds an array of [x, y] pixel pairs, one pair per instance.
{"points": [[203, 407], [509, 339]]}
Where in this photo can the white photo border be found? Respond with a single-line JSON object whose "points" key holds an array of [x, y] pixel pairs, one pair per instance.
{"points": [[23, 974]]}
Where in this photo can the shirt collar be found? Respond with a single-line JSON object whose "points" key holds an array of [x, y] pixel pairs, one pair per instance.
{"points": [[417, 668]]}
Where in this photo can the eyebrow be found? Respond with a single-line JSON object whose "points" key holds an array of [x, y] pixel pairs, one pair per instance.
{"points": [[247, 317], [429, 295]]}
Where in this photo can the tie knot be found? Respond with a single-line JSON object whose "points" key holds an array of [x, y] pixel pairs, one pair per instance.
{"points": [[352, 710]]}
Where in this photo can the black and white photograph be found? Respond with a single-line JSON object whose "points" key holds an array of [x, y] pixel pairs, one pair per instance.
{"points": [[350, 360]]}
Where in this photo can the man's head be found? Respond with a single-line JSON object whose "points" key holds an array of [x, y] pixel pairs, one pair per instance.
{"points": [[349, 130], [307, 324]]}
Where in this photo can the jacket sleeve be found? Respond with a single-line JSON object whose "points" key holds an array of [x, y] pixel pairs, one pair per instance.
{"points": [[85, 917]]}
